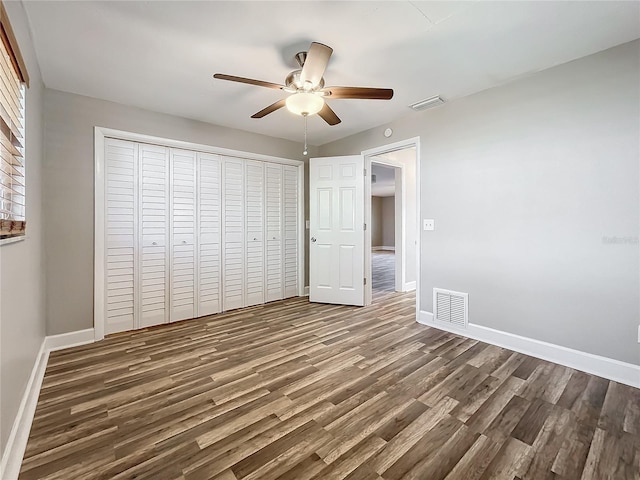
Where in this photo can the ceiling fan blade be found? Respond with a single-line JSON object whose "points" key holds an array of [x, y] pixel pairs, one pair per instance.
{"points": [[359, 92], [250, 81], [270, 109], [315, 63], [328, 115]]}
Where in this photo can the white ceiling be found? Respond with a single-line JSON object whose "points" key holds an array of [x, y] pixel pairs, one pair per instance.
{"points": [[161, 55], [385, 184]]}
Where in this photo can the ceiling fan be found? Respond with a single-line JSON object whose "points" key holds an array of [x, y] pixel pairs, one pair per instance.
{"points": [[306, 86]]}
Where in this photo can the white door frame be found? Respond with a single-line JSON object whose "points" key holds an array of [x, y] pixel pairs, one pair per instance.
{"points": [[392, 147], [99, 287]]}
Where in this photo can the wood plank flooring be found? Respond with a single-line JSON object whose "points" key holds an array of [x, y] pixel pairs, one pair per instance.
{"points": [[294, 390], [383, 272]]}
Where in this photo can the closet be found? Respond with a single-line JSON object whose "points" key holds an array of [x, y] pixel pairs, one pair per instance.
{"points": [[190, 233]]}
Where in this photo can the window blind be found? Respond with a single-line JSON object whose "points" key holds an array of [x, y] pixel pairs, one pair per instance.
{"points": [[12, 169]]}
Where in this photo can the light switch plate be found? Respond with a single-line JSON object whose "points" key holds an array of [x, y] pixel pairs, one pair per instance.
{"points": [[428, 224]]}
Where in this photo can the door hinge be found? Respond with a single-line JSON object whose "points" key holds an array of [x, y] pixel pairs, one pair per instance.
{"points": [[365, 172], [365, 227], [365, 280]]}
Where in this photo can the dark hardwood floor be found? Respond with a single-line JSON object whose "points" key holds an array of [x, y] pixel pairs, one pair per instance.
{"points": [[294, 390]]}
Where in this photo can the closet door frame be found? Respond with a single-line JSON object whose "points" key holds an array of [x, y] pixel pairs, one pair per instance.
{"points": [[100, 133]]}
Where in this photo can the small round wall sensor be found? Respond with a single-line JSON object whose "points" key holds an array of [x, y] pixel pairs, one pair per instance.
{"points": [[388, 132]]}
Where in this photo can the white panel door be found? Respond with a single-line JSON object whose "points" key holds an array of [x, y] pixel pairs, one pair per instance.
{"points": [[254, 218], [336, 250], [183, 230], [121, 196], [209, 234], [233, 238], [273, 234], [154, 233], [290, 231]]}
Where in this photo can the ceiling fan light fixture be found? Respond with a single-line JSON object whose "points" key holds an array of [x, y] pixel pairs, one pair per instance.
{"points": [[304, 103]]}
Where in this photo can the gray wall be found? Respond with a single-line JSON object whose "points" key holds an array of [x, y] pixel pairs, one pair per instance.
{"points": [[69, 192], [377, 222], [527, 184], [22, 315], [388, 221]]}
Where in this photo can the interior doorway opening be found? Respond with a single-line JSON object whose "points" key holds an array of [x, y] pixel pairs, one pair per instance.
{"points": [[391, 200], [383, 229]]}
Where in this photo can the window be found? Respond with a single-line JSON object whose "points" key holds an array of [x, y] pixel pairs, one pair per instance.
{"points": [[13, 80]]}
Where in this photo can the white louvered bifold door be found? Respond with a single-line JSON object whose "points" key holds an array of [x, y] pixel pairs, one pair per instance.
{"points": [[233, 237], [183, 229], [209, 234], [290, 231], [254, 216], [121, 196], [154, 234], [273, 252]]}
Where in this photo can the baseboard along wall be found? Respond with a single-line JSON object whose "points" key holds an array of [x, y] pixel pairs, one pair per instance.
{"points": [[383, 248], [621, 372], [19, 435], [608, 368]]}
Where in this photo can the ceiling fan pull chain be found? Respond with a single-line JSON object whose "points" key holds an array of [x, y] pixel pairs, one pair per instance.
{"points": [[304, 152]]}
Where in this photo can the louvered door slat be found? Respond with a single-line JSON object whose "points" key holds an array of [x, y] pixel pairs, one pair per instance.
{"points": [[154, 229], [254, 216], [209, 234], [183, 230], [273, 250], [290, 231], [121, 236], [233, 233]]}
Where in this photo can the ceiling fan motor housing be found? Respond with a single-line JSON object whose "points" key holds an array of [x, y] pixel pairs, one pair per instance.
{"points": [[294, 83]]}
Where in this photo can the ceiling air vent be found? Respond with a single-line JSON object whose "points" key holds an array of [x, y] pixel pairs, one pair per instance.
{"points": [[428, 103], [451, 307]]}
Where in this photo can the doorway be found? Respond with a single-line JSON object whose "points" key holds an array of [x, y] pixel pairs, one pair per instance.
{"points": [[340, 258], [383, 229], [392, 268]]}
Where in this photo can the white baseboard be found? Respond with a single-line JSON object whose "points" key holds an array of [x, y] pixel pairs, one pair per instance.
{"points": [[71, 339], [409, 286], [17, 441], [608, 368], [388, 249], [19, 435], [306, 291]]}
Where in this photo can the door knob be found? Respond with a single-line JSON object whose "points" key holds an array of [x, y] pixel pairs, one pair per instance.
{"points": [[184, 242], [254, 239], [154, 243], [313, 239]]}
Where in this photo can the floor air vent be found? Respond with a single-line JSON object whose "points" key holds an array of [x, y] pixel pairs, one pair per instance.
{"points": [[451, 307]]}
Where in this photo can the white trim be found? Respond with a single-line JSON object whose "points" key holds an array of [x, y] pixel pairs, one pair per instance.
{"points": [[409, 286], [302, 290], [17, 441], [401, 250], [100, 133], [19, 435], [197, 147], [68, 340], [7, 241], [609, 368], [99, 259], [383, 248], [306, 291]]}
